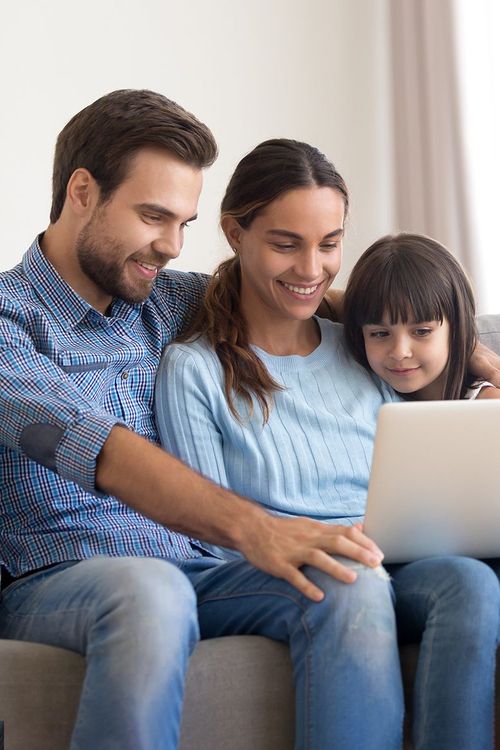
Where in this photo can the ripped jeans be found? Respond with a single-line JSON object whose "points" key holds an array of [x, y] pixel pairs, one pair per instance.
{"points": [[138, 619]]}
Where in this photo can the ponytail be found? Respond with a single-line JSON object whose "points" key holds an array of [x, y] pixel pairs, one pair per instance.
{"points": [[220, 321]]}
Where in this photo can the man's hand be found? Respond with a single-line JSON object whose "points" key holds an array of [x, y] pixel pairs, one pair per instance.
{"points": [[485, 364], [158, 485], [281, 546]]}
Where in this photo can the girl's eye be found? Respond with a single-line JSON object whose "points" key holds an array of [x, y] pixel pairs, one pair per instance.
{"points": [[378, 334], [421, 332]]}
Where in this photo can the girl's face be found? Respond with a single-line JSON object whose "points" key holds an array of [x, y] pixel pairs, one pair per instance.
{"points": [[411, 357], [290, 254]]}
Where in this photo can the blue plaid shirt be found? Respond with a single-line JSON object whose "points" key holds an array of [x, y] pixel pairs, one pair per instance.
{"points": [[67, 375]]}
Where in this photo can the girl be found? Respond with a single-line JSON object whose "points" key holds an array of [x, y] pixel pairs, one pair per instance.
{"points": [[262, 396], [409, 315]]}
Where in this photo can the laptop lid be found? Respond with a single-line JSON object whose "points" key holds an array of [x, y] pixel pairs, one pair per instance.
{"points": [[435, 480]]}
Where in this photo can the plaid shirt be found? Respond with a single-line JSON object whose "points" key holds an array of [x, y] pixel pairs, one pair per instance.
{"points": [[67, 375]]}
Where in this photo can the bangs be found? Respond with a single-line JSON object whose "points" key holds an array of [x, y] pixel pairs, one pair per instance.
{"points": [[404, 292]]}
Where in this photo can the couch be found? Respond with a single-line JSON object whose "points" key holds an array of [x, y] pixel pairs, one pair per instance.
{"points": [[239, 693]]}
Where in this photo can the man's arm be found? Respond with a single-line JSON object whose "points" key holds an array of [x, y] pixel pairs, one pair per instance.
{"points": [[156, 484]]}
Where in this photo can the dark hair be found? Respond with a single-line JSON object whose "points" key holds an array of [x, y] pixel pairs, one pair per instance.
{"points": [[273, 168], [412, 277], [105, 136]]}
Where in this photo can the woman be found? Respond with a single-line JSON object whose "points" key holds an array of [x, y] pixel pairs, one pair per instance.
{"points": [[263, 397]]}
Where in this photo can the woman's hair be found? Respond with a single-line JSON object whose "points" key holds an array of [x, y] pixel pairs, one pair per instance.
{"points": [[409, 277], [273, 168]]}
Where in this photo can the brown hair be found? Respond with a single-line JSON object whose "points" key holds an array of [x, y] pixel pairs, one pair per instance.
{"points": [[105, 136], [412, 277], [273, 168]]}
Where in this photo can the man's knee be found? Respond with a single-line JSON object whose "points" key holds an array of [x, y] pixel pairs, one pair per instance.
{"points": [[145, 588]]}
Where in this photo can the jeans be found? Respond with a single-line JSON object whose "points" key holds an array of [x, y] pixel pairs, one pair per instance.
{"points": [[451, 606], [137, 620]]}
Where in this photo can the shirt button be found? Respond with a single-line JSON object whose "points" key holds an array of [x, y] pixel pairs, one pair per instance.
{"points": [[124, 375]]}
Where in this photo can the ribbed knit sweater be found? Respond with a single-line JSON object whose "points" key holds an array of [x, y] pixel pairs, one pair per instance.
{"points": [[311, 458]]}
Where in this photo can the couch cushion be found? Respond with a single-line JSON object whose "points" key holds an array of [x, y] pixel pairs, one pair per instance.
{"points": [[239, 694]]}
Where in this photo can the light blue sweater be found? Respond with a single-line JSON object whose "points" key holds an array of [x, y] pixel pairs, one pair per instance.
{"points": [[311, 458]]}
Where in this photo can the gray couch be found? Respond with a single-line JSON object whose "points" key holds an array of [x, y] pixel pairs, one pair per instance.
{"points": [[239, 693]]}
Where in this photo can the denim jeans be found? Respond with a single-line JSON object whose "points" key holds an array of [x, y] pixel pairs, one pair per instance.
{"points": [[137, 620]]}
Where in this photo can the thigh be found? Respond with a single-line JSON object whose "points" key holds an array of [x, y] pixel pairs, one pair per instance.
{"points": [[236, 598], [61, 605], [454, 589]]}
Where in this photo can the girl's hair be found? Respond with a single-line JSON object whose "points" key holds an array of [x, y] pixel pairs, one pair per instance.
{"points": [[409, 277], [273, 168]]}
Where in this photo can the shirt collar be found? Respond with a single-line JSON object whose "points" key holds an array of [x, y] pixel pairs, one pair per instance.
{"points": [[58, 295]]}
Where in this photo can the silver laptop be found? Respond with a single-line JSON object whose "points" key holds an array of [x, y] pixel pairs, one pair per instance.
{"points": [[435, 480]]}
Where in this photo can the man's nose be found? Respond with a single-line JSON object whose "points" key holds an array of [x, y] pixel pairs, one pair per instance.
{"points": [[169, 243]]}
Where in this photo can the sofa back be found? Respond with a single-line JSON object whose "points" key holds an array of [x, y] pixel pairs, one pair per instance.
{"points": [[489, 331]]}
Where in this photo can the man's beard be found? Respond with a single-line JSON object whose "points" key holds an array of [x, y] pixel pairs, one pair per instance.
{"points": [[103, 262]]}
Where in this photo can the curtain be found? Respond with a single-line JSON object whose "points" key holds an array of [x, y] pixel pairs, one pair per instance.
{"points": [[430, 164]]}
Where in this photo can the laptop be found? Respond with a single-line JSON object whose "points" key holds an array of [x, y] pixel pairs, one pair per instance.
{"points": [[435, 480]]}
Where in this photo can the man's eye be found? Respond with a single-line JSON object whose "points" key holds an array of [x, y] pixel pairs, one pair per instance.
{"points": [[284, 247], [153, 218], [186, 224], [329, 246]]}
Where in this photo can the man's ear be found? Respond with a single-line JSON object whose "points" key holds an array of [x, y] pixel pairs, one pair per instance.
{"points": [[233, 231], [82, 192]]}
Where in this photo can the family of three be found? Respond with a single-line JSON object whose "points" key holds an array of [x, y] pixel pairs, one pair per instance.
{"points": [[116, 549]]}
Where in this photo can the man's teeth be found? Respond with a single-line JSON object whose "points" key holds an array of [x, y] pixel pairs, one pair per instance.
{"points": [[149, 266], [300, 289]]}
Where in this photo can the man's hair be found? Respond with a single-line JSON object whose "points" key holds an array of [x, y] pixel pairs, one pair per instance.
{"points": [[106, 135], [410, 277]]}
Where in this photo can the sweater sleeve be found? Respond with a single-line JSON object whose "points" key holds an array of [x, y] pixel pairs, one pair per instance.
{"points": [[185, 406]]}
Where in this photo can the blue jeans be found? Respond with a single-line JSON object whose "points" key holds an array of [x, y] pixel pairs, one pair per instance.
{"points": [[451, 606], [137, 621]]}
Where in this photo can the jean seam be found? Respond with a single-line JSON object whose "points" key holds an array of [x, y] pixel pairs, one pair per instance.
{"points": [[259, 592]]}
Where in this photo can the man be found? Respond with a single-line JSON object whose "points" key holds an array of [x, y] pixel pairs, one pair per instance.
{"points": [[99, 526]]}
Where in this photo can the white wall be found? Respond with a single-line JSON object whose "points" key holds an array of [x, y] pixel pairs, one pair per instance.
{"points": [[251, 69]]}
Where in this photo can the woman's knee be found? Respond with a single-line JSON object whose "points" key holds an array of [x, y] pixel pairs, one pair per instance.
{"points": [[365, 604]]}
